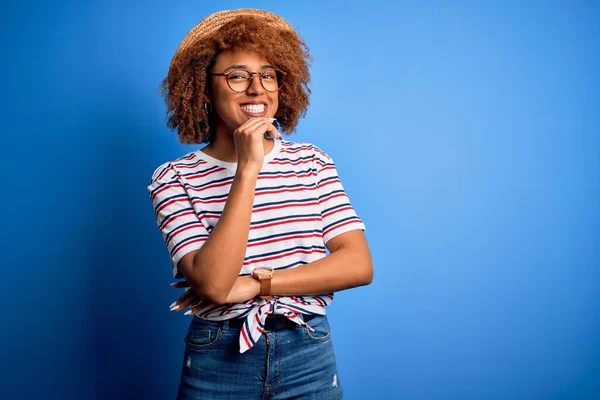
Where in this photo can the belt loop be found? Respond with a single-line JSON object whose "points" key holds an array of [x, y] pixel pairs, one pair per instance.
{"points": [[225, 326]]}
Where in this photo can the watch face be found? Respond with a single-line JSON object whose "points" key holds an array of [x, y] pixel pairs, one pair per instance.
{"points": [[262, 270]]}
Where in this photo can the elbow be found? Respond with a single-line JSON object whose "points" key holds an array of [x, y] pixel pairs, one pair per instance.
{"points": [[368, 278], [217, 298], [210, 293], [207, 287], [368, 273]]}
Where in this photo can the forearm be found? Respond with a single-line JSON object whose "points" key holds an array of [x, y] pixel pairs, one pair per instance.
{"points": [[217, 264], [343, 269]]}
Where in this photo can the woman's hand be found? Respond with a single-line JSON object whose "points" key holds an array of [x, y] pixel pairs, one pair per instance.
{"points": [[244, 288], [248, 141]]}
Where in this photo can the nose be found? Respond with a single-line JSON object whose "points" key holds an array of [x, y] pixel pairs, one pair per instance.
{"points": [[255, 85]]}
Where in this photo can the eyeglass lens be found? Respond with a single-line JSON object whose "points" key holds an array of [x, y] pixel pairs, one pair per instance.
{"points": [[239, 80]]}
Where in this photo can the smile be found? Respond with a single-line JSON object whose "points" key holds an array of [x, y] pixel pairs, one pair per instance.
{"points": [[253, 109]]}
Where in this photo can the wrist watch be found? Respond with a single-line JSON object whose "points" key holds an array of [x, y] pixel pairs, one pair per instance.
{"points": [[264, 276]]}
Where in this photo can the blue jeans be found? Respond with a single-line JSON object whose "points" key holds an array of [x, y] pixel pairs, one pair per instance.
{"points": [[293, 363]]}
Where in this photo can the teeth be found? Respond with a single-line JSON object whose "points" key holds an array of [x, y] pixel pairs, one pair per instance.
{"points": [[254, 108]]}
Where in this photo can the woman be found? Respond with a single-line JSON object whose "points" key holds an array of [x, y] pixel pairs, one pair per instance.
{"points": [[247, 219]]}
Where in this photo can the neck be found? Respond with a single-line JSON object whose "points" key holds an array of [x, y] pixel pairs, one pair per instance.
{"points": [[222, 146]]}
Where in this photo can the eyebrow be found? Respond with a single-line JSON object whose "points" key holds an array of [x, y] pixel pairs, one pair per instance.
{"points": [[240, 66]]}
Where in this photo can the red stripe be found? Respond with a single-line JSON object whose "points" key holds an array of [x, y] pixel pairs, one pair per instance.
{"points": [[258, 328], [288, 175], [290, 162], [282, 239], [162, 189], [332, 197], [336, 211], [284, 222], [196, 201], [178, 231], [176, 249], [210, 186], [293, 311], [339, 226], [162, 207], [245, 336], [165, 171], [284, 256], [289, 151], [316, 149], [285, 190], [168, 221], [330, 182], [205, 173], [303, 204], [200, 162]]}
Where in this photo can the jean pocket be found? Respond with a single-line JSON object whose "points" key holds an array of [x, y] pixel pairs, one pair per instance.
{"points": [[322, 331], [202, 334]]}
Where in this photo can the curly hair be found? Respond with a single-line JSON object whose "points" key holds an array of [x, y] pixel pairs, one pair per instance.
{"points": [[187, 84]]}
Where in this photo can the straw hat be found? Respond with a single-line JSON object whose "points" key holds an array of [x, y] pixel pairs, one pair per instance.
{"points": [[212, 23]]}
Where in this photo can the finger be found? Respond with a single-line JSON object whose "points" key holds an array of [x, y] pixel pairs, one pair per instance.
{"points": [[196, 307], [188, 301], [265, 126], [248, 124], [253, 123], [179, 304]]}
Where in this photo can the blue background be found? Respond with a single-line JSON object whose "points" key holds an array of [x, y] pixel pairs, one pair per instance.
{"points": [[466, 135]]}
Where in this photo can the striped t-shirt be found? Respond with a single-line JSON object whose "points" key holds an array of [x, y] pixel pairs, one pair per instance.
{"points": [[299, 205]]}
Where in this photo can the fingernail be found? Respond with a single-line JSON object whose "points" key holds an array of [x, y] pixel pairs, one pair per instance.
{"points": [[172, 304], [273, 119], [174, 308], [174, 283], [188, 312]]}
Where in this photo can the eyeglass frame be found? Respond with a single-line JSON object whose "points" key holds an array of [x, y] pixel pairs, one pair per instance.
{"points": [[251, 78]]}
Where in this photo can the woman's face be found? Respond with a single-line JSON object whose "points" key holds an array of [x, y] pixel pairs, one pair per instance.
{"points": [[235, 108]]}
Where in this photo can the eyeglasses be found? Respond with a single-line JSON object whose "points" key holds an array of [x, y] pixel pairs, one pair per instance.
{"points": [[239, 80]]}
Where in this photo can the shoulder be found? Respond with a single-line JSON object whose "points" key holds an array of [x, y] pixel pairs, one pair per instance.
{"points": [[168, 169], [305, 148]]}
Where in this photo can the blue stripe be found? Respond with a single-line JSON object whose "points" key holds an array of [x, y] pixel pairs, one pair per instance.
{"points": [[274, 203], [340, 221], [329, 178], [247, 327], [337, 206], [283, 235], [171, 198], [182, 210], [265, 173], [266, 188], [293, 160], [259, 312], [301, 146], [195, 172], [281, 251], [296, 307], [262, 189], [199, 225], [227, 178], [284, 218], [220, 196], [329, 194], [187, 239], [165, 183]]}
